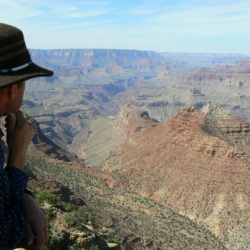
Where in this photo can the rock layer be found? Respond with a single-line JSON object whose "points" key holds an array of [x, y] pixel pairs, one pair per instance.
{"points": [[197, 164]]}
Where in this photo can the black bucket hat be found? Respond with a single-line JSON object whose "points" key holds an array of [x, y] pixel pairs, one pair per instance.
{"points": [[15, 60]]}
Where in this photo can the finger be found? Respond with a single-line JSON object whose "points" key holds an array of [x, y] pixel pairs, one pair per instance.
{"points": [[39, 230], [20, 117], [29, 234], [46, 232], [22, 122], [10, 120], [39, 244]]}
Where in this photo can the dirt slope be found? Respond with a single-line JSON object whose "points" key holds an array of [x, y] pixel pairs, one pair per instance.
{"points": [[198, 164]]}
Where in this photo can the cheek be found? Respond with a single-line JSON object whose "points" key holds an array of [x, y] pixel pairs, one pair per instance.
{"points": [[20, 98], [19, 102]]}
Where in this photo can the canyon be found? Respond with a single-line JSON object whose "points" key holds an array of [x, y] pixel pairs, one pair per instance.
{"points": [[142, 135], [92, 84]]}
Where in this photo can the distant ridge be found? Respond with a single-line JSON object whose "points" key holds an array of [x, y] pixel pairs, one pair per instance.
{"points": [[95, 53], [130, 59]]}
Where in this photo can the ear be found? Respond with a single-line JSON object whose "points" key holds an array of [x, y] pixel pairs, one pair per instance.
{"points": [[12, 92]]}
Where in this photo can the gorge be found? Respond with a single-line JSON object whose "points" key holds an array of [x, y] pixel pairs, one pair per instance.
{"points": [[146, 138]]}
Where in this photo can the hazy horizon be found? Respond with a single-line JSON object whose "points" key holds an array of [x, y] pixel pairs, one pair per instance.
{"points": [[160, 52], [180, 26]]}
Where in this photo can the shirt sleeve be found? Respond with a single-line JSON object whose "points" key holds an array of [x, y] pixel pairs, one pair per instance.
{"points": [[13, 181]]}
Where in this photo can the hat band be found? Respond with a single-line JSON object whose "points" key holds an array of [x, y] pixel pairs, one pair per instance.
{"points": [[4, 71]]}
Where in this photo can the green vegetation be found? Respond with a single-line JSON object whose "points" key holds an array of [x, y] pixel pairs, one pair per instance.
{"points": [[151, 223], [46, 196], [79, 218], [72, 218]]}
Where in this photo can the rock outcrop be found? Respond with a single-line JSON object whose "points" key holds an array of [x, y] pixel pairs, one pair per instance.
{"points": [[135, 119], [197, 164]]}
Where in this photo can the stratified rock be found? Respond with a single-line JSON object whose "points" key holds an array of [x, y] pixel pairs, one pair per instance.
{"points": [[135, 119], [197, 164]]}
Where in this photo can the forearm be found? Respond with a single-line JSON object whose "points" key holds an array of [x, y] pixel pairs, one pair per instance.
{"points": [[19, 135]]}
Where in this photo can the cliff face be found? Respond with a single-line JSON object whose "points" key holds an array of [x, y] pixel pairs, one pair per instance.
{"points": [[198, 165], [100, 60], [46, 148], [228, 127], [237, 75], [134, 119]]}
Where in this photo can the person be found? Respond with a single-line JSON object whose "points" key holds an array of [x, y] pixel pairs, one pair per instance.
{"points": [[20, 214]]}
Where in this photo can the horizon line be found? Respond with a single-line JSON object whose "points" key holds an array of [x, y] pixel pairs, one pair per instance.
{"points": [[169, 52]]}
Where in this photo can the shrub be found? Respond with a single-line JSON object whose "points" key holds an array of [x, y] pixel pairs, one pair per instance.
{"points": [[46, 196]]}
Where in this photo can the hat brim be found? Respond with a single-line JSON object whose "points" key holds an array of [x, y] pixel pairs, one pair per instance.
{"points": [[30, 72]]}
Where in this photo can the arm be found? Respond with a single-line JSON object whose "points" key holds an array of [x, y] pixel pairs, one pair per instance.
{"points": [[19, 135], [13, 181], [35, 221]]}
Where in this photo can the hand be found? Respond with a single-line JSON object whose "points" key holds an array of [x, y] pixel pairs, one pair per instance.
{"points": [[36, 229], [19, 135]]}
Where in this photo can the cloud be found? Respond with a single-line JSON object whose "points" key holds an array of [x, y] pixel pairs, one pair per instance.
{"points": [[14, 10], [79, 11]]}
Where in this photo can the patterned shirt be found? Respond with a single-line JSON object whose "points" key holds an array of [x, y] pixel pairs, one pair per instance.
{"points": [[13, 181]]}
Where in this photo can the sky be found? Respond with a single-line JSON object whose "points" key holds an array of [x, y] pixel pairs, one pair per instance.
{"points": [[194, 26]]}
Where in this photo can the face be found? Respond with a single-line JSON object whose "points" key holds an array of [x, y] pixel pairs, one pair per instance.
{"points": [[11, 98], [19, 97]]}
